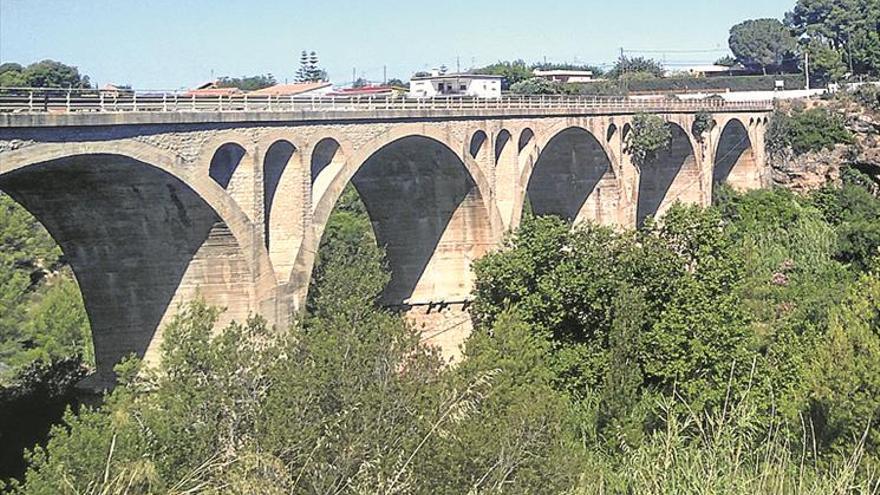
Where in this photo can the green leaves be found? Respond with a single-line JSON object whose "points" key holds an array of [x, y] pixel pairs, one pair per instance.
{"points": [[849, 27], [650, 134], [803, 131], [761, 43]]}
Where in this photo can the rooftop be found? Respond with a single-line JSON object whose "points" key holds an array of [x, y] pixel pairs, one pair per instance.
{"points": [[291, 89], [456, 75]]}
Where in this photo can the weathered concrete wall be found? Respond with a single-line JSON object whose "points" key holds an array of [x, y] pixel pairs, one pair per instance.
{"points": [[151, 211], [140, 242]]}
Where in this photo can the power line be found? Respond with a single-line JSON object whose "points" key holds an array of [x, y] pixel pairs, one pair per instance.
{"points": [[713, 50]]}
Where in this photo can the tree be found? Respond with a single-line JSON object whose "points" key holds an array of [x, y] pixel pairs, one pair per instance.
{"points": [[44, 74], [512, 72], [309, 71], [843, 378], [726, 61], [247, 83], [536, 86], [826, 63], [302, 74], [636, 67], [11, 75], [762, 43], [849, 27], [360, 83]]}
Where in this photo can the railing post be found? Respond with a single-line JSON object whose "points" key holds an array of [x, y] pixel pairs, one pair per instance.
{"points": [[164, 101], [31, 100], [245, 102], [134, 104], [68, 101]]}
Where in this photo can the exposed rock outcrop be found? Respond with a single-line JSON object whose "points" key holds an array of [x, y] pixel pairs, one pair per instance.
{"points": [[810, 171]]}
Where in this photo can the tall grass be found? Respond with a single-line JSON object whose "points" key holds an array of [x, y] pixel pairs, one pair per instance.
{"points": [[730, 452]]}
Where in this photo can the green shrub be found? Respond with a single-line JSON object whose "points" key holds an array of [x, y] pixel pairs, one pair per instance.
{"points": [[868, 95], [650, 134], [803, 131], [703, 123]]}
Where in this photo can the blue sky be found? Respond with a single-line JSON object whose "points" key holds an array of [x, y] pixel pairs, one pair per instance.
{"points": [[172, 44]]}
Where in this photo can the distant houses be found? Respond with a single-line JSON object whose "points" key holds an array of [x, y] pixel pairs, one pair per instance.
{"points": [[437, 83], [564, 75]]}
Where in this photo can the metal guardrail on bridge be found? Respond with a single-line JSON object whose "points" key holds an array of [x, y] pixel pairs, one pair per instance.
{"points": [[44, 100]]}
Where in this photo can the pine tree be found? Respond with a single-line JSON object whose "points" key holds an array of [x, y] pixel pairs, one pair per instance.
{"points": [[314, 71], [302, 74]]}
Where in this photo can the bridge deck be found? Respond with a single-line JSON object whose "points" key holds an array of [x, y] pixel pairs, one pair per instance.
{"points": [[42, 108]]}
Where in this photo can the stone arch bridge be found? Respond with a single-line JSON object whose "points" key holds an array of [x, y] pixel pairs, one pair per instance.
{"points": [[153, 207]]}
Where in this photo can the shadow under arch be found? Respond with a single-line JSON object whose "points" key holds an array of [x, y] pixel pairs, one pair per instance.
{"points": [[669, 176], [525, 137], [139, 239], [573, 179], [428, 214], [477, 141], [225, 162], [735, 162]]}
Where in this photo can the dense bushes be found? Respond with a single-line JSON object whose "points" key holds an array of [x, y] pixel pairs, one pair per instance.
{"points": [[689, 83], [347, 402], [803, 131], [733, 349]]}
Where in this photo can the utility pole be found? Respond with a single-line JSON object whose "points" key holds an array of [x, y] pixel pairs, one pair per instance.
{"points": [[353, 76], [384, 74], [807, 70]]}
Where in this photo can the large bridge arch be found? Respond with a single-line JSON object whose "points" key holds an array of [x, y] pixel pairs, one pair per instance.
{"points": [[735, 160], [672, 175], [142, 234], [429, 207], [573, 177]]}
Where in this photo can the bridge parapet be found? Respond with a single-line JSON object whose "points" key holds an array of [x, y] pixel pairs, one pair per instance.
{"points": [[37, 102]]}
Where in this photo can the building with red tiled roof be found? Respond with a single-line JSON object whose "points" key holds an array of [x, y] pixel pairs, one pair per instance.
{"points": [[296, 89]]}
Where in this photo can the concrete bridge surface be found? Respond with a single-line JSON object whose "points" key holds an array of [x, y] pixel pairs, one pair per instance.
{"points": [[153, 205]]}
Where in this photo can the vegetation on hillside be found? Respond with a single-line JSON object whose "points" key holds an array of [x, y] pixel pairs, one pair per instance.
{"points": [[804, 130], [732, 349]]}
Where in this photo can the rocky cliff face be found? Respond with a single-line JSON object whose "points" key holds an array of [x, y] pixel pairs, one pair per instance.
{"points": [[810, 171]]}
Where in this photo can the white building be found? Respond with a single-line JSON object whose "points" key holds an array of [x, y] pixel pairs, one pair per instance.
{"points": [[436, 84], [565, 76]]}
